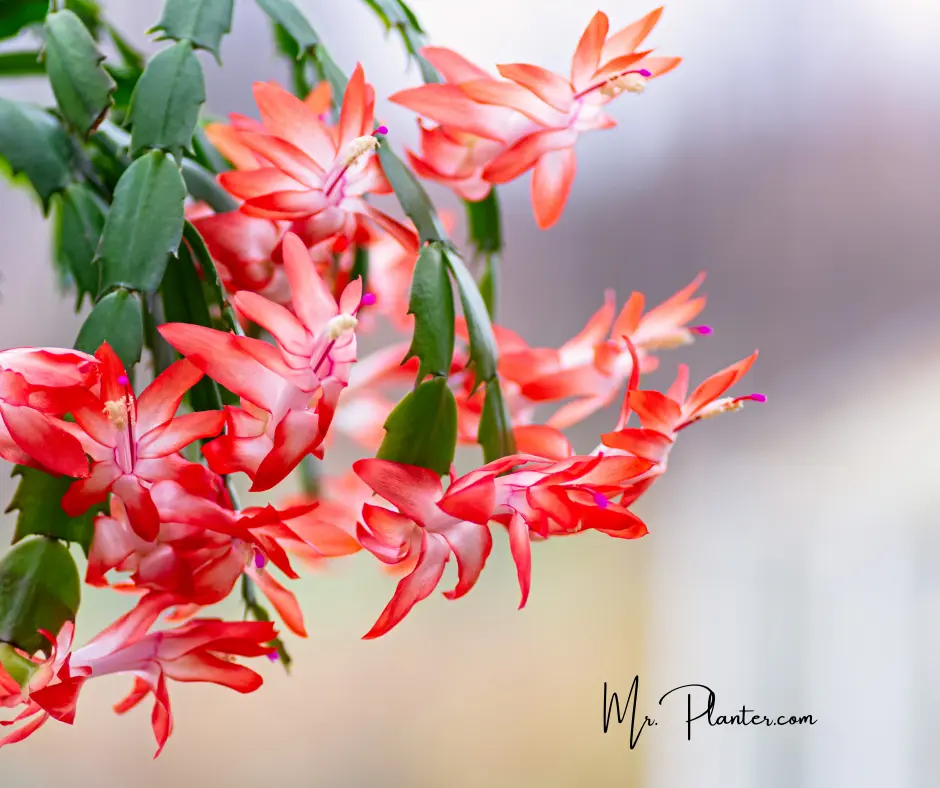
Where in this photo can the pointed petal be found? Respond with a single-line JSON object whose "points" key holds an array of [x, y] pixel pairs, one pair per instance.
{"points": [[717, 385], [42, 439], [352, 114], [417, 586], [450, 106], [94, 490], [278, 320], [178, 433], [289, 118], [542, 441], [625, 41], [217, 354], [513, 96], [284, 601], [320, 99], [286, 205], [471, 544], [524, 154], [551, 88], [297, 434], [161, 399], [587, 56], [141, 512], [629, 318], [551, 183], [521, 549], [412, 490], [474, 502], [287, 158], [311, 298], [226, 140], [248, 184], [453, 67], [405, 236]]}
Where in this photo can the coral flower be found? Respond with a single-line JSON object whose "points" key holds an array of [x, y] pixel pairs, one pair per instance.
{"points": [[662, 416], [308, 169], [593, 366], [548, 113], [200, 651]]}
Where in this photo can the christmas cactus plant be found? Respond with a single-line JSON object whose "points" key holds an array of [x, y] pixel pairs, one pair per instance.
{"points": [[227, 269]]}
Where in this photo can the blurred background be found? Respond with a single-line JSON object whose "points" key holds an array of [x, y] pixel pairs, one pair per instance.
{"points": [[792, 560]]}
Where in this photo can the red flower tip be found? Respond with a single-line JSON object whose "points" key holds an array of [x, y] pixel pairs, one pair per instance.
{"points": [[703, 330], [368, 299], [380, 130]]}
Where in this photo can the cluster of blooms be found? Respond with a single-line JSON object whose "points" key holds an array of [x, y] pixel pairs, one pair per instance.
{"points": [[172, 534]]}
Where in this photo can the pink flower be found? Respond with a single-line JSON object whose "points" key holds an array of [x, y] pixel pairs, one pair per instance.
{"points": [[289, 391], [201, 651], [134, 442]]}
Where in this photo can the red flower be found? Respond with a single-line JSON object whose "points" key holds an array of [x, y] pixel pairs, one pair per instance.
{"points": [[542, 496], [201, 651], [289, 392], [201, 551], [662, 416], [546, 114], [308, 169], [135, 442]]}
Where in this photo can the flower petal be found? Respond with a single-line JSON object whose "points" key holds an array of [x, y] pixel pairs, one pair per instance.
{"points": [[551, 88], [525, 153], [587, 56], [311, 298], [159, 402], [247, 184], [278, 320], [42, 439], [625, 41], [217, 354], [453, 67], [289, 118], [450, 106], [551, 183], [414, 491], [174, 435], [417, 586]]}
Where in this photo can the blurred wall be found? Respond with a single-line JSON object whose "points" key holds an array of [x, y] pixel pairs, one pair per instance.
{"points": [[792, 549]]}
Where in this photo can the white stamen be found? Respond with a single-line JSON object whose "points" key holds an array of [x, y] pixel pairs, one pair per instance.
{"points": [[340, 325], [357, 148], [628, 83], [116, 411]]}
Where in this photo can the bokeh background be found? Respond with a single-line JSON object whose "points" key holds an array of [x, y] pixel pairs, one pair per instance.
{"points": [[792, 564]]}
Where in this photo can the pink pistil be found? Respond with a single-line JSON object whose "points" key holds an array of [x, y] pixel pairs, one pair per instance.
{"points": [[703, 330]]}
